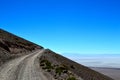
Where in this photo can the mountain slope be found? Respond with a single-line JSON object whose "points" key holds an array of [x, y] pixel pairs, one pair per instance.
{"points": [[23, 60], [62, 68], [12, 46]]}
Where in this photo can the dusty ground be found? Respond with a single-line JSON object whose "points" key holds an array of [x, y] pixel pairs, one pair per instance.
{"points": [[111, 72], [23, 68]]}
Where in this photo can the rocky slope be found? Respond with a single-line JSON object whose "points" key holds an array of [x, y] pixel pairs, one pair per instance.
{"points": [[12, 46], [62, 68], [53, 66]]}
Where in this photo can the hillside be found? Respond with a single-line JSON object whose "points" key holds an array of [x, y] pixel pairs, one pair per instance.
{"points": [[23, 60], [12, 46], [61, 68]]}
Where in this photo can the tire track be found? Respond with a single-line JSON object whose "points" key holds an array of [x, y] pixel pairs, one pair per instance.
{"points": [[23, 68]]}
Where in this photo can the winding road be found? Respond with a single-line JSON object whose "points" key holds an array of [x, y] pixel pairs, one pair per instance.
{"points": [[23, 68]]}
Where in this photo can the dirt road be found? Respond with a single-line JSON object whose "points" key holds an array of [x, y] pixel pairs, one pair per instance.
{"points": [[23, 68]]}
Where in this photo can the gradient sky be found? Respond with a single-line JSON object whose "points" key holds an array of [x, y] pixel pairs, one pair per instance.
{"points": [[65, 26]]}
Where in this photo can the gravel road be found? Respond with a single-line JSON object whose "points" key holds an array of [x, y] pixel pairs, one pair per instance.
{"points": [[23, 68]]}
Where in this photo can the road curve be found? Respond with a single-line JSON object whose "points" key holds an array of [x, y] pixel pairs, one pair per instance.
{"points": [[23, 68]]}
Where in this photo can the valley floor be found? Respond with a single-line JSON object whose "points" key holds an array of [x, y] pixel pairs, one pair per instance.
{"points": [[111, 72]]}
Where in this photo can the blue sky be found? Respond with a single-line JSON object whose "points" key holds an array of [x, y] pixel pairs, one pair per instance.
{"points": [[65, 26]]}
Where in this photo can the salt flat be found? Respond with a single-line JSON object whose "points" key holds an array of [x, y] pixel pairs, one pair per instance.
{"points": [[111, 72]]}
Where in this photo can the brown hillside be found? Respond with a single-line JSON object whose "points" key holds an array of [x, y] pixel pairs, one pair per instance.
{"points": [[52, 65], [62, 68], [12, 46]]}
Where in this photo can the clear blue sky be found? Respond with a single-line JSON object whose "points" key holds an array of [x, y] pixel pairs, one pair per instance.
{"points": [[65, 26]]}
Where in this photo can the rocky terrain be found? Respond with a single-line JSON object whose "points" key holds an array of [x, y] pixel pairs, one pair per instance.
{"points": [[23, 60], [62, 68], [12, 46]]}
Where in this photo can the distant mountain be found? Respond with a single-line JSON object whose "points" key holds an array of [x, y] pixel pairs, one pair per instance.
{"points": [[51, 64]]}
